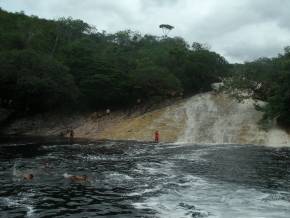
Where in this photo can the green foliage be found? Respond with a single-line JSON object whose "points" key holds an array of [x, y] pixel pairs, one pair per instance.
{"points": [[33, 82], [203, 68], [49, 64], [152, 80], [267, 80]]}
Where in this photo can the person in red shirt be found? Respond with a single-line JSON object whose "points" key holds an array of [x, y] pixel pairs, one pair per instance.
{"points": [[157, 136]]}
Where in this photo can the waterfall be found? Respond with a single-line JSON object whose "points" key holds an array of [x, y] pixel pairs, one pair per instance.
{"points": [[218, 119]]}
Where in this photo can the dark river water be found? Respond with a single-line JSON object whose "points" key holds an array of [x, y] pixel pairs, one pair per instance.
{"points": [[129, 179]]}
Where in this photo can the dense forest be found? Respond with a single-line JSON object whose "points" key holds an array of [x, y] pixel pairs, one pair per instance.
{"points": [[51, 65], [67, 64]]}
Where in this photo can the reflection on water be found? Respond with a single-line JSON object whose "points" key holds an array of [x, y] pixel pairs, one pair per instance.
{"points": [[128, 179]]}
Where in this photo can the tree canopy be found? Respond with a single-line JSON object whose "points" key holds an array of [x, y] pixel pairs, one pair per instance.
{"points": [[52, 64], [166, 28]]}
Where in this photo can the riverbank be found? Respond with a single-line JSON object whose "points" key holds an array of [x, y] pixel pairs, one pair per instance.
{"points": [[129, 124], [208, 118]]}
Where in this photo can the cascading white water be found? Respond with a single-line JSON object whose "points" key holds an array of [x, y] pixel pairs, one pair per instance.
{"points": [[216, 118]]}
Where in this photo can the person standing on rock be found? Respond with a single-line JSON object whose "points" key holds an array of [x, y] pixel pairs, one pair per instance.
{"points": [[157, 136], [71, 135]]}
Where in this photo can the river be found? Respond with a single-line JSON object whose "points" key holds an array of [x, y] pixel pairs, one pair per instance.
{"points": [[133, 179]]}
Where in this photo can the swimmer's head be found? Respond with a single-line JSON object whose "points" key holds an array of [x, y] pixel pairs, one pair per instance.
{"points": [[79, 178], [28, 176]]}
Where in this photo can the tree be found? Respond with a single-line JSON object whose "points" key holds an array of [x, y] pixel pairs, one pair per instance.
{"points": [[166, 28], [196, 46]]}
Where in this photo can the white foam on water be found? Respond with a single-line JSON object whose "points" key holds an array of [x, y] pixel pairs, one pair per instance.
{"points": [[165, 168], [23, 200], [30, 211], [149, 170], [11, 202], [192, 156], [170, 209], [66, 175], [200, 198], [99, 157], [145, 191], [14, 170], [50, 147], [118, 176]]}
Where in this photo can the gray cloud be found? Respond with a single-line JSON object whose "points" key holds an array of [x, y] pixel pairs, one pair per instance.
{"points": [[239, 30]]}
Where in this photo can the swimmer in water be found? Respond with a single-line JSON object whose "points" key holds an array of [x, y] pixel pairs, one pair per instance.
{"points": [[73, 178], [28, 177], [79, 178]]}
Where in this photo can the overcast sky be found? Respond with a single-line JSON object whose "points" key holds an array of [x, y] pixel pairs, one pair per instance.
{"points": [[240, 30]]}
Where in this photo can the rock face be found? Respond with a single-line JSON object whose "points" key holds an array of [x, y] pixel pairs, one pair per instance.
{"points": [[170, 121], [203, 119]]}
